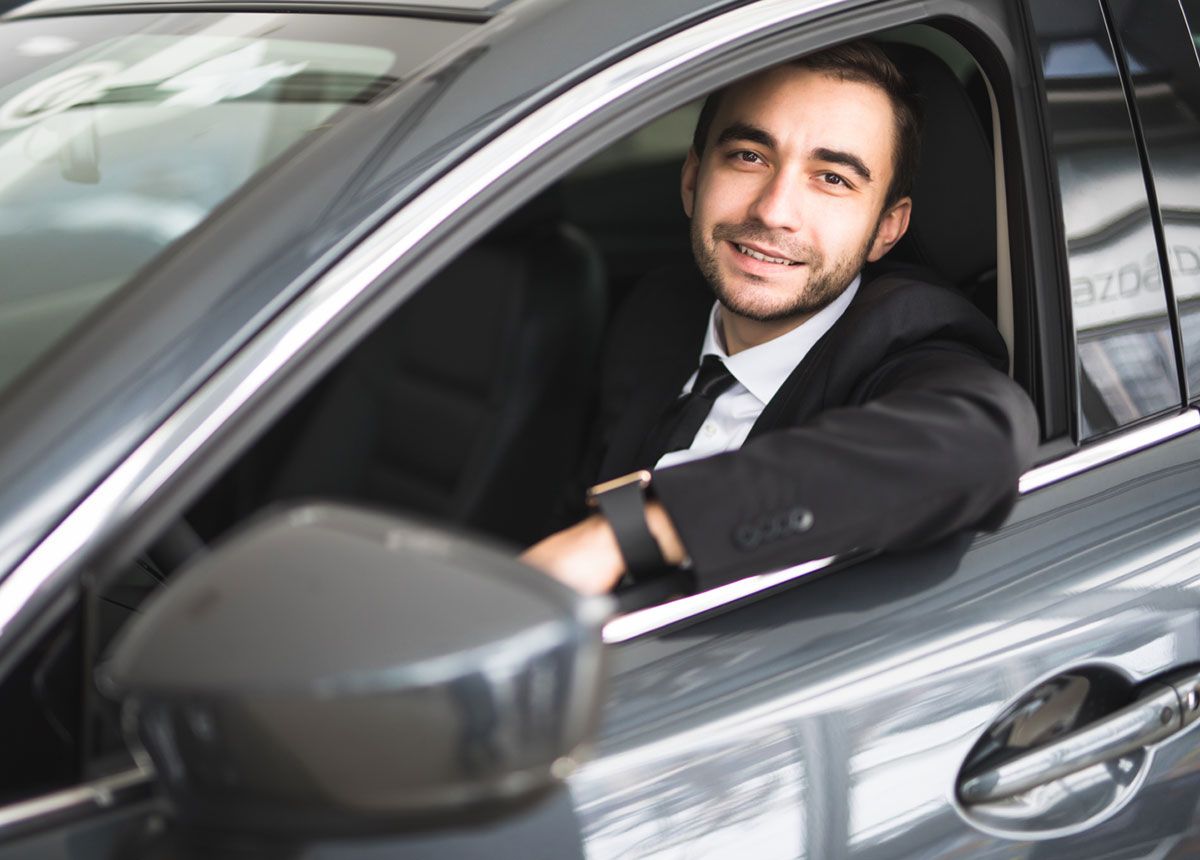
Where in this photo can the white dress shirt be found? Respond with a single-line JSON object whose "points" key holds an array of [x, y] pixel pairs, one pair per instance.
{"points": [[759, 372]]}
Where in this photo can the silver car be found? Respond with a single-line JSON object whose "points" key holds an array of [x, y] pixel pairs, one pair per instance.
{"points": [[300, 312]]}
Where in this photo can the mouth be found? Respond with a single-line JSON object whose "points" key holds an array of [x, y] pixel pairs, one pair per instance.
{"points": [[755, 254]]}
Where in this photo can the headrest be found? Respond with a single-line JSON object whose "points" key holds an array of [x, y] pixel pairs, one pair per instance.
{"points": [[953, 227]]}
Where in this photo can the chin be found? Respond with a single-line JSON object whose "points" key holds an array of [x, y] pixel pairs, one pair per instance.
{"points": [[764, 304]]}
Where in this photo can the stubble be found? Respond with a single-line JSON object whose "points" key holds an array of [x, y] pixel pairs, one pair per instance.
{"points": [[825, 282]]}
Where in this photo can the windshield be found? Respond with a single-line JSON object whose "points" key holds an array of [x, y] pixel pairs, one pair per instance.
{"points": [[120, 133]]}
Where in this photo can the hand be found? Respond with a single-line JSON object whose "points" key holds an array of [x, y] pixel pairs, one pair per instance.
{"points": [[586, 556]]}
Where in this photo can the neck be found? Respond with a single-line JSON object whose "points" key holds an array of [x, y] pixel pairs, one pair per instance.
{"points": [[741, 333]]}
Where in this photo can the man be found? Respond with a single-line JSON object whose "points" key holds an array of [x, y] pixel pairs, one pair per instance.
{"points": [[834, 413]]}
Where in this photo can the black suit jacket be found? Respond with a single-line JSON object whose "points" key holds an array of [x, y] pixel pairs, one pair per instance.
{"points": [[899, 427]]}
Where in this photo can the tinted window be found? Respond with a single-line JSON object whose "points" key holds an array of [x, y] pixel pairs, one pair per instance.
{"points": [[120, 133], [1161, 44], [1125, 350]]}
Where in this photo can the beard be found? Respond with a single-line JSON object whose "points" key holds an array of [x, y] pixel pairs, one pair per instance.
{"points": [[826, 280]]}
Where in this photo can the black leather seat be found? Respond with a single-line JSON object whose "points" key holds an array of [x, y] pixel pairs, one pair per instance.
{"points": [[953, 227], [469, 402]]}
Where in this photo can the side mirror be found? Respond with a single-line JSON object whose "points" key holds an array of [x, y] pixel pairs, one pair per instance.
{"points": [[331, 668]]}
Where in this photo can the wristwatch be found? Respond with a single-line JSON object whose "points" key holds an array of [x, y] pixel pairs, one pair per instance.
{"points": [[622, 501]]}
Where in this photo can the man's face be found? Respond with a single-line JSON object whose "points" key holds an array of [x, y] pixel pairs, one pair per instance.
{"points": [[787, 202]]}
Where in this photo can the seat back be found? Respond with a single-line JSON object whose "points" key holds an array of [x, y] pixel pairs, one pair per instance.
{"points": [[953, 226], [469, 402]]}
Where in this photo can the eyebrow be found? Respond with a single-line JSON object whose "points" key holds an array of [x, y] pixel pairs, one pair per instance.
{"points": [[754, 134], [745, 131], [846, 159]]}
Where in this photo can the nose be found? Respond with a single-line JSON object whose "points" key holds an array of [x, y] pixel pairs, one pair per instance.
{"points": [[779, 202]]}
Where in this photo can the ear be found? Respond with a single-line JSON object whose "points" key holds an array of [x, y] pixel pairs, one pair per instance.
{"points": [[687, 182], [892, 226]]}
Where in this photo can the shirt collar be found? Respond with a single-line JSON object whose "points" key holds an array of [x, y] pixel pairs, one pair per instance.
{"points": [[764, 368]]}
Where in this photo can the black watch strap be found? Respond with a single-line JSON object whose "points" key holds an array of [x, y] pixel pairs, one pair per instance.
{"points": [[623, 504]]}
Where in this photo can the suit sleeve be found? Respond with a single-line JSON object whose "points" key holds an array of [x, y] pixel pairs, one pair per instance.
{"points": [[936, 444]]}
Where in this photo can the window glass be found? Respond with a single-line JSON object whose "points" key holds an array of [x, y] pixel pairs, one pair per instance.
{"points": [[1125, 351], [119, 133], [40, 702], [1158, 41]]}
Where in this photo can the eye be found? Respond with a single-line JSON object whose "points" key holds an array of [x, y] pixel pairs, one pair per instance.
{"points": [[746, 156], [834, 179]]}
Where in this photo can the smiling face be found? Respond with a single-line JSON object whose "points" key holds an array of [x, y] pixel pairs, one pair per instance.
{"points": [[787, 201]]}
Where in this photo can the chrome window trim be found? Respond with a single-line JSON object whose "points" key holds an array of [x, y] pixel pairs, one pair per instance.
{"points": [[622, 628], [102, 793], [1114, 448]]}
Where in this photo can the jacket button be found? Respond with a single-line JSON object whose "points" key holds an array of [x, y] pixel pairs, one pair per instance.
{"points": [[747, 537], [799, 520]]}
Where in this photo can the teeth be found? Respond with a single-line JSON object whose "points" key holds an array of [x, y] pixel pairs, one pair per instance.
{"points": [[750, 252]]}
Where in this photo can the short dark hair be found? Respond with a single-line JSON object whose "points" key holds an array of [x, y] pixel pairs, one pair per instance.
{"points": [[862, 62]]}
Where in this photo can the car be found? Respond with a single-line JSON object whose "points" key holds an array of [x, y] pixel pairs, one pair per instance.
{"points": [[301, 310]]}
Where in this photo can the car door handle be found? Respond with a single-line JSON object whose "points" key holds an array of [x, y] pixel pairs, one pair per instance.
{"points": [[1165, 707]]}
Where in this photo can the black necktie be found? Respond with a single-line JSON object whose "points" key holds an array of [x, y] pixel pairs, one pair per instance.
{"points": [[689, 411]]}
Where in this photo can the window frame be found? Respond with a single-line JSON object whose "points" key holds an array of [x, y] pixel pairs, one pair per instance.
{"points": [[1156, 177]]}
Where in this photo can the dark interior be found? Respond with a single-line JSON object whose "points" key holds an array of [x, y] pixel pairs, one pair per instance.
{"points": [[470, 403]]}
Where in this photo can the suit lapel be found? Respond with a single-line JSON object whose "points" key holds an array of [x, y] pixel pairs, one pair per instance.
{"points": [[807, 390], [800, 396], [803, 393]]}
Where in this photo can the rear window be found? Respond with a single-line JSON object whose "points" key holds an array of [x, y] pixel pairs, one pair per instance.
{"points": [[120, 133]]}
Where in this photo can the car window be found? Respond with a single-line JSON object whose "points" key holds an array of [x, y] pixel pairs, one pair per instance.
{"points": [[118, 134], [1125, 349], [472, 402], [1160, 54], [477, 418]]}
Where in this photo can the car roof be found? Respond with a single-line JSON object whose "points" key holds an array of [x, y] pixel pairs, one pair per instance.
{"points": [[464, 9]]}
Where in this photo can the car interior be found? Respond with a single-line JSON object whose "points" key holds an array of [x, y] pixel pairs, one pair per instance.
{"points": [[471, 403], [467, 406]]}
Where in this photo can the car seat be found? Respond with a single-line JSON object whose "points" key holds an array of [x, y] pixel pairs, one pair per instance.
{"points": [[468, 403], [953, 226]]}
